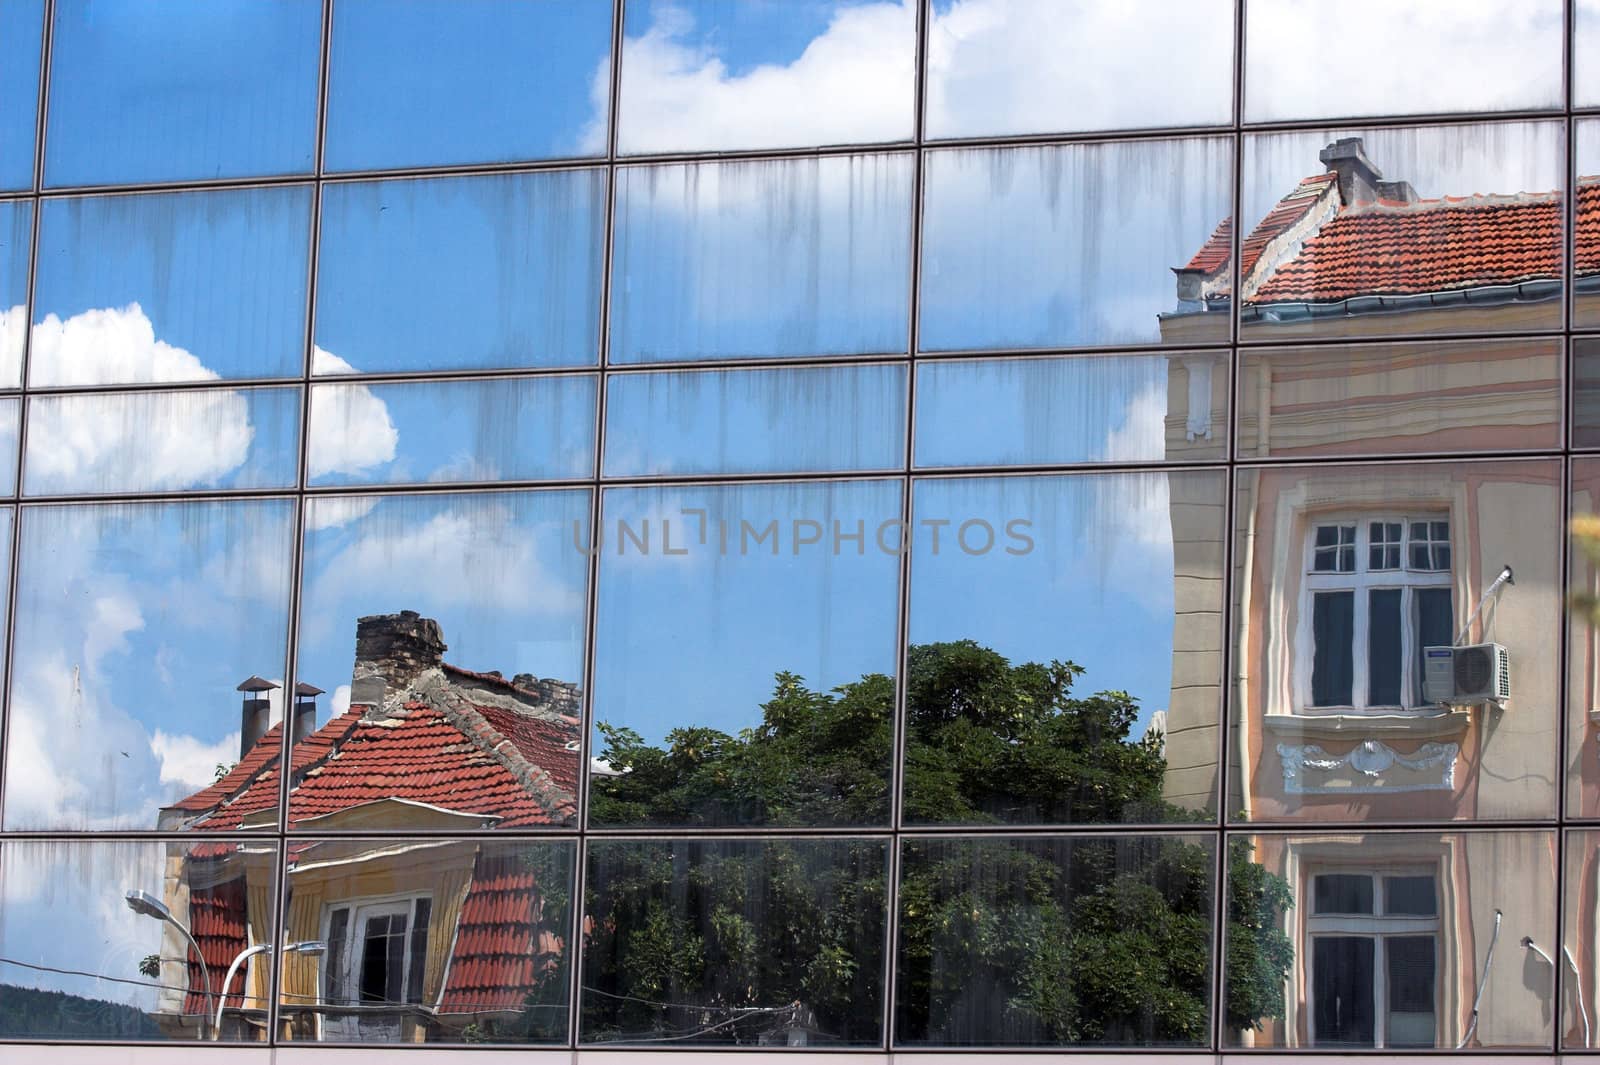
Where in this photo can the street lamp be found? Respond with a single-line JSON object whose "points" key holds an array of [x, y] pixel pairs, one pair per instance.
{"points": [[146, 904], [310, 946]]}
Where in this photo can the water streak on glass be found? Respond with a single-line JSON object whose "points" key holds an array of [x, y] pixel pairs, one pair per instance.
{"points": [[764, 258], [756, 421], [16, 235], [21, 23], [483, 272]]}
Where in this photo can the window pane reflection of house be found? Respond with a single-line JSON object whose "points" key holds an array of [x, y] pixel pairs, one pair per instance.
{"points": [[1583, 657], [1406, 940], [1346, 578], [428, 941], [1580, 953]]}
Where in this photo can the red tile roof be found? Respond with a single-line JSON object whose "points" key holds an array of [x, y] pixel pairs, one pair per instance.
{"points": [[217, 922], [1285, 214], [503, 950]]}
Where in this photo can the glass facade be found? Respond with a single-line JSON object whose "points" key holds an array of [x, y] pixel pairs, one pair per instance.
{"points": [[891, 528]]}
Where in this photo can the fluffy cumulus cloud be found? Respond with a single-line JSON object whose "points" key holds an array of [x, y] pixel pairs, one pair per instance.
{"points": [[351, 431], [189, 763]]}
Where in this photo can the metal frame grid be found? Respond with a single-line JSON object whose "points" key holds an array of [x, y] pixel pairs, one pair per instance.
{"points": [[918, 146]]}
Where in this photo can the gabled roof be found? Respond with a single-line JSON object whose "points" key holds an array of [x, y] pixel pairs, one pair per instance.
{"points": [[502, 949]]}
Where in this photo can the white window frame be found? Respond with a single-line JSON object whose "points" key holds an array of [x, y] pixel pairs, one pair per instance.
{"points": [[1378, 926], [1361, 583], [354, 944]]}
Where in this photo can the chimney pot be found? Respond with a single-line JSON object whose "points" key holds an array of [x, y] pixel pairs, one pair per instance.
{"points": [[255, 716], [305, 711], [392, 649], [1358, 178]]}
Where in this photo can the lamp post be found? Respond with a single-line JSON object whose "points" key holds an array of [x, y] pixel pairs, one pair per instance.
{"points": [[146, 904], [310, 946]]}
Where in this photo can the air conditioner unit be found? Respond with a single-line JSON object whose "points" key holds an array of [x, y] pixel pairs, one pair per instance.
{"points": [[1477, 673]]}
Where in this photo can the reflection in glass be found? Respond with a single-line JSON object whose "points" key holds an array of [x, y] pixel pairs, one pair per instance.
{"points": [[1583, 634], [1087, 941], [1400, 397], [1586, 233], [1383, 232], [449, 81], [1579, 959], [1427, 59], [1026, 66], [1372, 686], [1407, 940], [734, 942], [708, 75], [404, 737], [439, 431], [137, 624], [16, 238], [189, 286], [1066, 648], [756, 421], [10, 411], [20, 25], [1065, 246], [183, 90], [132, 941], [486, 272], [163, 441], [1585, 42], [762, 258], [1051, 411], [429, 941], [745, 654]]}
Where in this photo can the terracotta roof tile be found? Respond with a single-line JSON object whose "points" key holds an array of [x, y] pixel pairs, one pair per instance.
{"points": [[217, 922], [502, 951]]}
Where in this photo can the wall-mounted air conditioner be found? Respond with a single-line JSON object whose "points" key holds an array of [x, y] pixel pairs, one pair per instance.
{"points": [[1476, 673]]}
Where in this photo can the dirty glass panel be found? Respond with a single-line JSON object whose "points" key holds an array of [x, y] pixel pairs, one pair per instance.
{"points": [[745, 654], [10, 411], [131, 941], [442, 82], [1396, 630], [1388, 232], [1577, 962], [485, 272], [1052, 411], [717, 75], [1026, 66], [1585, 41], [1586, 235], [21, 24], [734, 943], [1414, 59], [762, 258], [432, 941], [1090, 941], [152, 634], [182, 90], [1075, 245], [16, 238], [163, 441], [756, 421], [1583, 647], [460, 706], [1387, 398], [441, 431], [1462, 960], [190, 286], [1065, 659]]}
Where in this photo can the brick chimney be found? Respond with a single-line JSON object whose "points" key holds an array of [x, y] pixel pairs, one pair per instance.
{"points": [[391, 650], [1358, 178]]}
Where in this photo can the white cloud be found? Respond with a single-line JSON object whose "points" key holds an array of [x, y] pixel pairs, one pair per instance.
{"points": [[1142, 436], [351, 430], [108, 344], [13, 330], [330, 512], [189, 762]]}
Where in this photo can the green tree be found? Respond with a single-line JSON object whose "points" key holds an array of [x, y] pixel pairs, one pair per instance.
{"points": [[1081, 940]]}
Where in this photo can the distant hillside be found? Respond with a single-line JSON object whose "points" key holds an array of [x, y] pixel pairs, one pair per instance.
{"points": [[27, 1013]]}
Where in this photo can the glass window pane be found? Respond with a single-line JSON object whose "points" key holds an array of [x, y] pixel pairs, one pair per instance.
{"points": [[475, 931], [705, 75], [441, 431], [1409, 895], [1071, 246], [10, 410], [1053, 411], [190, 286], [745, 650], [756, 421], [735, 942], [404, 734], [1311, 755], [182, 90], [1295, 980], [21, 23], [1585, 42], [441, 82], [1415, 59], [1341, 893], [1385, 658], [1091, 941], [16, 242], [1382, 232], [1579, 908], [163, 441], [138, 622], [1022, 66], [1586, 237], [1583, 647], [471, 273], [85, 966], [1065, 648], [779, 257], [1378, 399]]}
